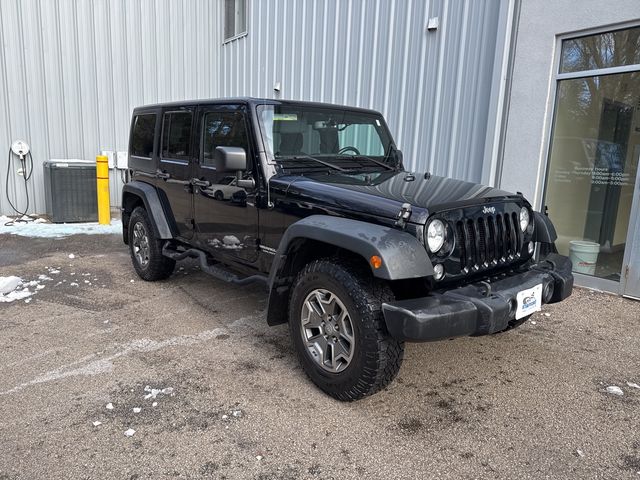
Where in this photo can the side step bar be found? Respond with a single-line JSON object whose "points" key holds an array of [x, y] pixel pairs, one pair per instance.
{"points": [[217, 272]]}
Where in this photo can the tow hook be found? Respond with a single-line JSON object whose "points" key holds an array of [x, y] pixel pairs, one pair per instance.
{"points": [[403, 215]]}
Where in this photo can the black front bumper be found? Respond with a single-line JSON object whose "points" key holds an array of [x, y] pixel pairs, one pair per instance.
{"points": [[476, 309]]}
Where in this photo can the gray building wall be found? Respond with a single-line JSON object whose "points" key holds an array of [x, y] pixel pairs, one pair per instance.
{"points": [[528, 124], [71, 72]]}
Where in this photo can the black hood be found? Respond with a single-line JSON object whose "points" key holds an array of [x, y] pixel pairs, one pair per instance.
{"points": [[383, 193]]}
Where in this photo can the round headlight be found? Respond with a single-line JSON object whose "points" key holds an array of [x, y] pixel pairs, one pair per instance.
{"points": [[524, 218], [436, 233]]}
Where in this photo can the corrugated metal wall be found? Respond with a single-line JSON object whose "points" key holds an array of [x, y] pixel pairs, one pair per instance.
{"points": [[434, 87], [71, 71]]}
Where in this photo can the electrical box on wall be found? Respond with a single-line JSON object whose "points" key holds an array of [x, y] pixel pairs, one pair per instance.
{"points": [[122, 160]]}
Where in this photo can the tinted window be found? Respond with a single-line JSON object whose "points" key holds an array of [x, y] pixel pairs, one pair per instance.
{"points": [[222, 129], [142, 135], [176, 134]]}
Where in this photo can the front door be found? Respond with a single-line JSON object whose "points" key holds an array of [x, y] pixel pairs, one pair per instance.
{"points": [[175, 165], [225, 214]]}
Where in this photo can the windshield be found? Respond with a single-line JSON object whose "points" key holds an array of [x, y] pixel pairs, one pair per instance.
{"points": [[315, 137]]}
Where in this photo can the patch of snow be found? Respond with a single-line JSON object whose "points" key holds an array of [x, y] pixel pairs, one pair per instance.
{"points": [[130, 433], [137, 409], [224, 417], [57, 230], [546, 314], [633, 385], [154, 404], [44, 278], [236, 413], [39, 287], [10, 292], [258, 457], [71, 255], [54, 271], [73, 284], [97, 423], [533, 322], [109, 406], [9, 284], [580, 453], [167, 391], [28, 300], [615, 390]]}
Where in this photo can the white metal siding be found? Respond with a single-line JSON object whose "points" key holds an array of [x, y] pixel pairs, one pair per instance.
{"points": [[71, 72]]}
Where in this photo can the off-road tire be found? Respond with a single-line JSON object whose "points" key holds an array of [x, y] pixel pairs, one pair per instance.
{"points": [[158, 266], [377, 356]]}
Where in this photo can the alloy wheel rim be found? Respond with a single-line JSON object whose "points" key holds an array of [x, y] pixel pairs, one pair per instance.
{"points": [[141, 244], [327, 330]]}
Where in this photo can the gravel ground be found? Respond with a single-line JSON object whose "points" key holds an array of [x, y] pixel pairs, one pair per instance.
{"points": [[527, 404]]}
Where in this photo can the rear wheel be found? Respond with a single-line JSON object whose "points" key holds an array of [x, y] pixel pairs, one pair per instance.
{"points": [[146, 248], [338, 330]]}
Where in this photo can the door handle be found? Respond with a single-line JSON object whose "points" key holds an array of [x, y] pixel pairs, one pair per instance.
{"points": [[163, 175], [200, 183]]}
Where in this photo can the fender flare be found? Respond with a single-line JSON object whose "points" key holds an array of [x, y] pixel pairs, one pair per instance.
{"points": [[152, 203], [403, 256], [544, 231]]}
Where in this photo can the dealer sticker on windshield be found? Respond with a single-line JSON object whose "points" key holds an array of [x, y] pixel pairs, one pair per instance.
{"points": [[529, 301]]}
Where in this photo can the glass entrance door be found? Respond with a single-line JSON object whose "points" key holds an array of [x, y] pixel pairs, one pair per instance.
{"points": [[595, 148]]}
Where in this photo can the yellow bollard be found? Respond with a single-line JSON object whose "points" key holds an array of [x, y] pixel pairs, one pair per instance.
{"points": [[102, 178]]}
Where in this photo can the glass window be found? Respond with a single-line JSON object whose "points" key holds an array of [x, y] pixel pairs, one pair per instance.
{"points": [[235, 18], [142, 135], [360, 138], [593, 168], [222, 129], [604, 50], [176, 134], [298, 130]]}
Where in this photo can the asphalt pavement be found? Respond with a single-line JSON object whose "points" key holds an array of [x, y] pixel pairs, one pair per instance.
{"points": [[219, 394]]}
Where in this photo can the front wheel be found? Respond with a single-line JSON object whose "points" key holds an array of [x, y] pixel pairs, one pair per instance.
{"points": [[338, 329]]}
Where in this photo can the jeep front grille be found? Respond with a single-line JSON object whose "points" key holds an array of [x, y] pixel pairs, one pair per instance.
{"points": [[488, 241]]}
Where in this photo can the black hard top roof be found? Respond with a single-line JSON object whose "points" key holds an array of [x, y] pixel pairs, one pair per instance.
{"points": [[250, 101]]}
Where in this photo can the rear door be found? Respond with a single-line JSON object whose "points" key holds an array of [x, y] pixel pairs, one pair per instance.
{"points": [[175, 167], [225, 214]]}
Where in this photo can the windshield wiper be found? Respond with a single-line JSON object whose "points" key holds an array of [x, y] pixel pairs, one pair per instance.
{"points": [[377, 162], [326, 164]]}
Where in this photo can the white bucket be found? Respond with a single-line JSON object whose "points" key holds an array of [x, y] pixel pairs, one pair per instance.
{"points": [[584, 256]]}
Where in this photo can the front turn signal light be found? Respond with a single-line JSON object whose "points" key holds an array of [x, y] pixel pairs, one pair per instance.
{"points": [[376, 261]]}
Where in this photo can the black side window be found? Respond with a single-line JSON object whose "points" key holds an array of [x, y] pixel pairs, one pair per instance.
{"points": [[176, 134], [142, 136], [222, 129]]}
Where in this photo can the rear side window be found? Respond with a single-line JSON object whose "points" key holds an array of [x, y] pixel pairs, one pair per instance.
{"points": [[142, 136], [176, 134]]}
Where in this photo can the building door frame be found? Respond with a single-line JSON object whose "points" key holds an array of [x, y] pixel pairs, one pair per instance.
{"points": [[633, 233]]}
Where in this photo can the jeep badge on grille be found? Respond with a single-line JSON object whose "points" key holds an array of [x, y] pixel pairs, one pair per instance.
{"points": [[489, 210]]}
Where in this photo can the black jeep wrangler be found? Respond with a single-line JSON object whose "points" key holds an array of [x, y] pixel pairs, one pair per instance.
{"points": [[358, 254]]}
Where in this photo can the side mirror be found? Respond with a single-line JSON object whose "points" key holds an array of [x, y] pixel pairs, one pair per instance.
{"points": [[230, 159]]}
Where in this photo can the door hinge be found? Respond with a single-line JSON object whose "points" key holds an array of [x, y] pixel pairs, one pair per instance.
{"points": [[626, 272]]}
